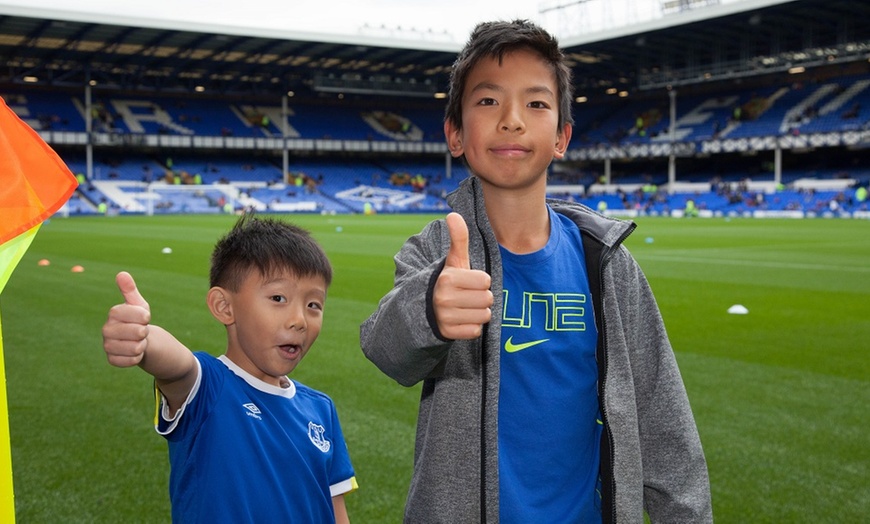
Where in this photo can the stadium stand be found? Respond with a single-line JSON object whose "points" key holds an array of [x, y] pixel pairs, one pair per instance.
{"points": [[345, 185], [769, 144]]}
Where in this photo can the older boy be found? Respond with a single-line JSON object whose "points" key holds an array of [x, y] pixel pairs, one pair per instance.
{"points": [[246, 444], [550, 389]]}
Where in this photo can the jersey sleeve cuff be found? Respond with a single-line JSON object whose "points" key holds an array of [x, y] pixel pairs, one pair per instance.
{"points": [[344, 487], [163, 422]]}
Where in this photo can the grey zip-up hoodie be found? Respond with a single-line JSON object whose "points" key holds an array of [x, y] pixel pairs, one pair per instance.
{"points": [[651, 456]]}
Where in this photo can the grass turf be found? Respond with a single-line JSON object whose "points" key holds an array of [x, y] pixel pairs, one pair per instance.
{"points": [[780, 395]]}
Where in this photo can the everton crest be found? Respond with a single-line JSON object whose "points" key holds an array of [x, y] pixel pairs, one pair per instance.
{"points": [[315, 433]]}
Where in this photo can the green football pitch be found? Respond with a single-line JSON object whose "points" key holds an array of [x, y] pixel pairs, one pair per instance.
{"points": [[781, 395]]}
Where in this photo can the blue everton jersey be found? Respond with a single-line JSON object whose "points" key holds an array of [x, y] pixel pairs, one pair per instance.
{"points": [[242, 450], [548, 416]]}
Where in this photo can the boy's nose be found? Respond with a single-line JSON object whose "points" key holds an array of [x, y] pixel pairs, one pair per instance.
{"points": [[296, 320], [511, 120]]}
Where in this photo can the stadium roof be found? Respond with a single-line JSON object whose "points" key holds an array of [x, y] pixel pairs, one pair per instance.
{"points": [[64, 49]]}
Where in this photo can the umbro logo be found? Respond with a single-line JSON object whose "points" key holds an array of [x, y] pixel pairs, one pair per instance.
{"points": [[253, 410], [510, 347]]}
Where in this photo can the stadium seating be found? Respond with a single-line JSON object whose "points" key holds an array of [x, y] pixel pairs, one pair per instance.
{"points": [[408, 183]]}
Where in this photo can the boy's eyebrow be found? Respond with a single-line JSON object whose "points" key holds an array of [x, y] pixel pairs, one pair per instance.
{"points": [[486, 86], [489, 86], [540, 89]]}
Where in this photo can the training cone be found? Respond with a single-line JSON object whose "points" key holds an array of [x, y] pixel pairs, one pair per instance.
{"points": [[77, 269], [737, 309], [43, 262]]}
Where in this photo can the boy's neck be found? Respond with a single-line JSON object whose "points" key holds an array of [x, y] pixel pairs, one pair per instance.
{"points": [[520, 221]]}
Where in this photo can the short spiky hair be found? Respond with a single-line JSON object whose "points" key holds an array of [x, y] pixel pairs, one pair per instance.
{"points": [[269, 246], [494, 40]]}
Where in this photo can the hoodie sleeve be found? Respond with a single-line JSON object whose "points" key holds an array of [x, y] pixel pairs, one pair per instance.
{"points": [[400, 337], [675, 479]]}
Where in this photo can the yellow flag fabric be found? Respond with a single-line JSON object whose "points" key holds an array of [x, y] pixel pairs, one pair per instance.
{"points": [[7, 499], [11, 253], [36, 183]]}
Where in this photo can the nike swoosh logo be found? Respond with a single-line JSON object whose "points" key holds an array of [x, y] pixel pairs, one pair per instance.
{"points": [[510, 347]]}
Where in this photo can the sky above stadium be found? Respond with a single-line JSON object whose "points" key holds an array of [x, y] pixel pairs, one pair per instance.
{"points": [[439, 21], [456, 17]]}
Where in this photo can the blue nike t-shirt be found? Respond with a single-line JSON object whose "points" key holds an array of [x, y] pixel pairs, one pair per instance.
{"points": [[548, 416]]}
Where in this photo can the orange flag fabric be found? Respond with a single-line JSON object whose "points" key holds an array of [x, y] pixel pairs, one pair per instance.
{"points": [[36, 182]]}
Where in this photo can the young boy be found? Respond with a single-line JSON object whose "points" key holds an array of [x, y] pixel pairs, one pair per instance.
{"points": [[550, 389], [246, 444]]}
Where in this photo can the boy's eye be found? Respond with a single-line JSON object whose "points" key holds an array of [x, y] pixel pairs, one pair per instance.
{"points": [[315, 305], [487, 102], [539, 105], [277, 298]]}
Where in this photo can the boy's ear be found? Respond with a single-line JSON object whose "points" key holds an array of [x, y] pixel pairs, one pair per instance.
{"points": [[220, 304], [454, 142], [563, 139]]}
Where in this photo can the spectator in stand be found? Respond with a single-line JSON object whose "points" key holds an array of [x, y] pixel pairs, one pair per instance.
{"points": [[853, 111]]}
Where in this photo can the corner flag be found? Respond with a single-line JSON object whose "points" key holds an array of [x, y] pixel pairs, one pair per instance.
{"points": [[36, 183]]}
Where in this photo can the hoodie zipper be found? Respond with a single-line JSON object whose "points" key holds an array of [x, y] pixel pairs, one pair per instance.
{"points": [[483, 381]]}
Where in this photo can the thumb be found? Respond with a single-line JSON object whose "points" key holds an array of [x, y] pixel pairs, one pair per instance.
{"points": [[458, 254], [131, 293]]}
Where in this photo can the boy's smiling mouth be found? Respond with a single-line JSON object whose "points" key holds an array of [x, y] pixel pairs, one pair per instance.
{"points": [[510, 150]]}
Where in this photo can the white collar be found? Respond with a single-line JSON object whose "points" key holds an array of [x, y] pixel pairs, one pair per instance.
{"points": [[254, 382]]}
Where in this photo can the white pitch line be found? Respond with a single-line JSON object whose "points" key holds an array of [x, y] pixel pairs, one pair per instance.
{"points": [[753, 263]]}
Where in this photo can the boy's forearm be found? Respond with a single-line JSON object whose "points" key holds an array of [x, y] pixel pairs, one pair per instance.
{"points": [[398, 339], [166, 359], [171, 364], [340, 510]]}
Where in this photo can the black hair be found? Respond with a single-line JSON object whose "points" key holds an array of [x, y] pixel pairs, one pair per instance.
{"points": [[494, 40], [270, 246]]}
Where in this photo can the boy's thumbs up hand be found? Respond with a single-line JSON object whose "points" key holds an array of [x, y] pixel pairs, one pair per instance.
{"points": [[458, 255], [461, 298], [125, 333], [129, 290]]}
